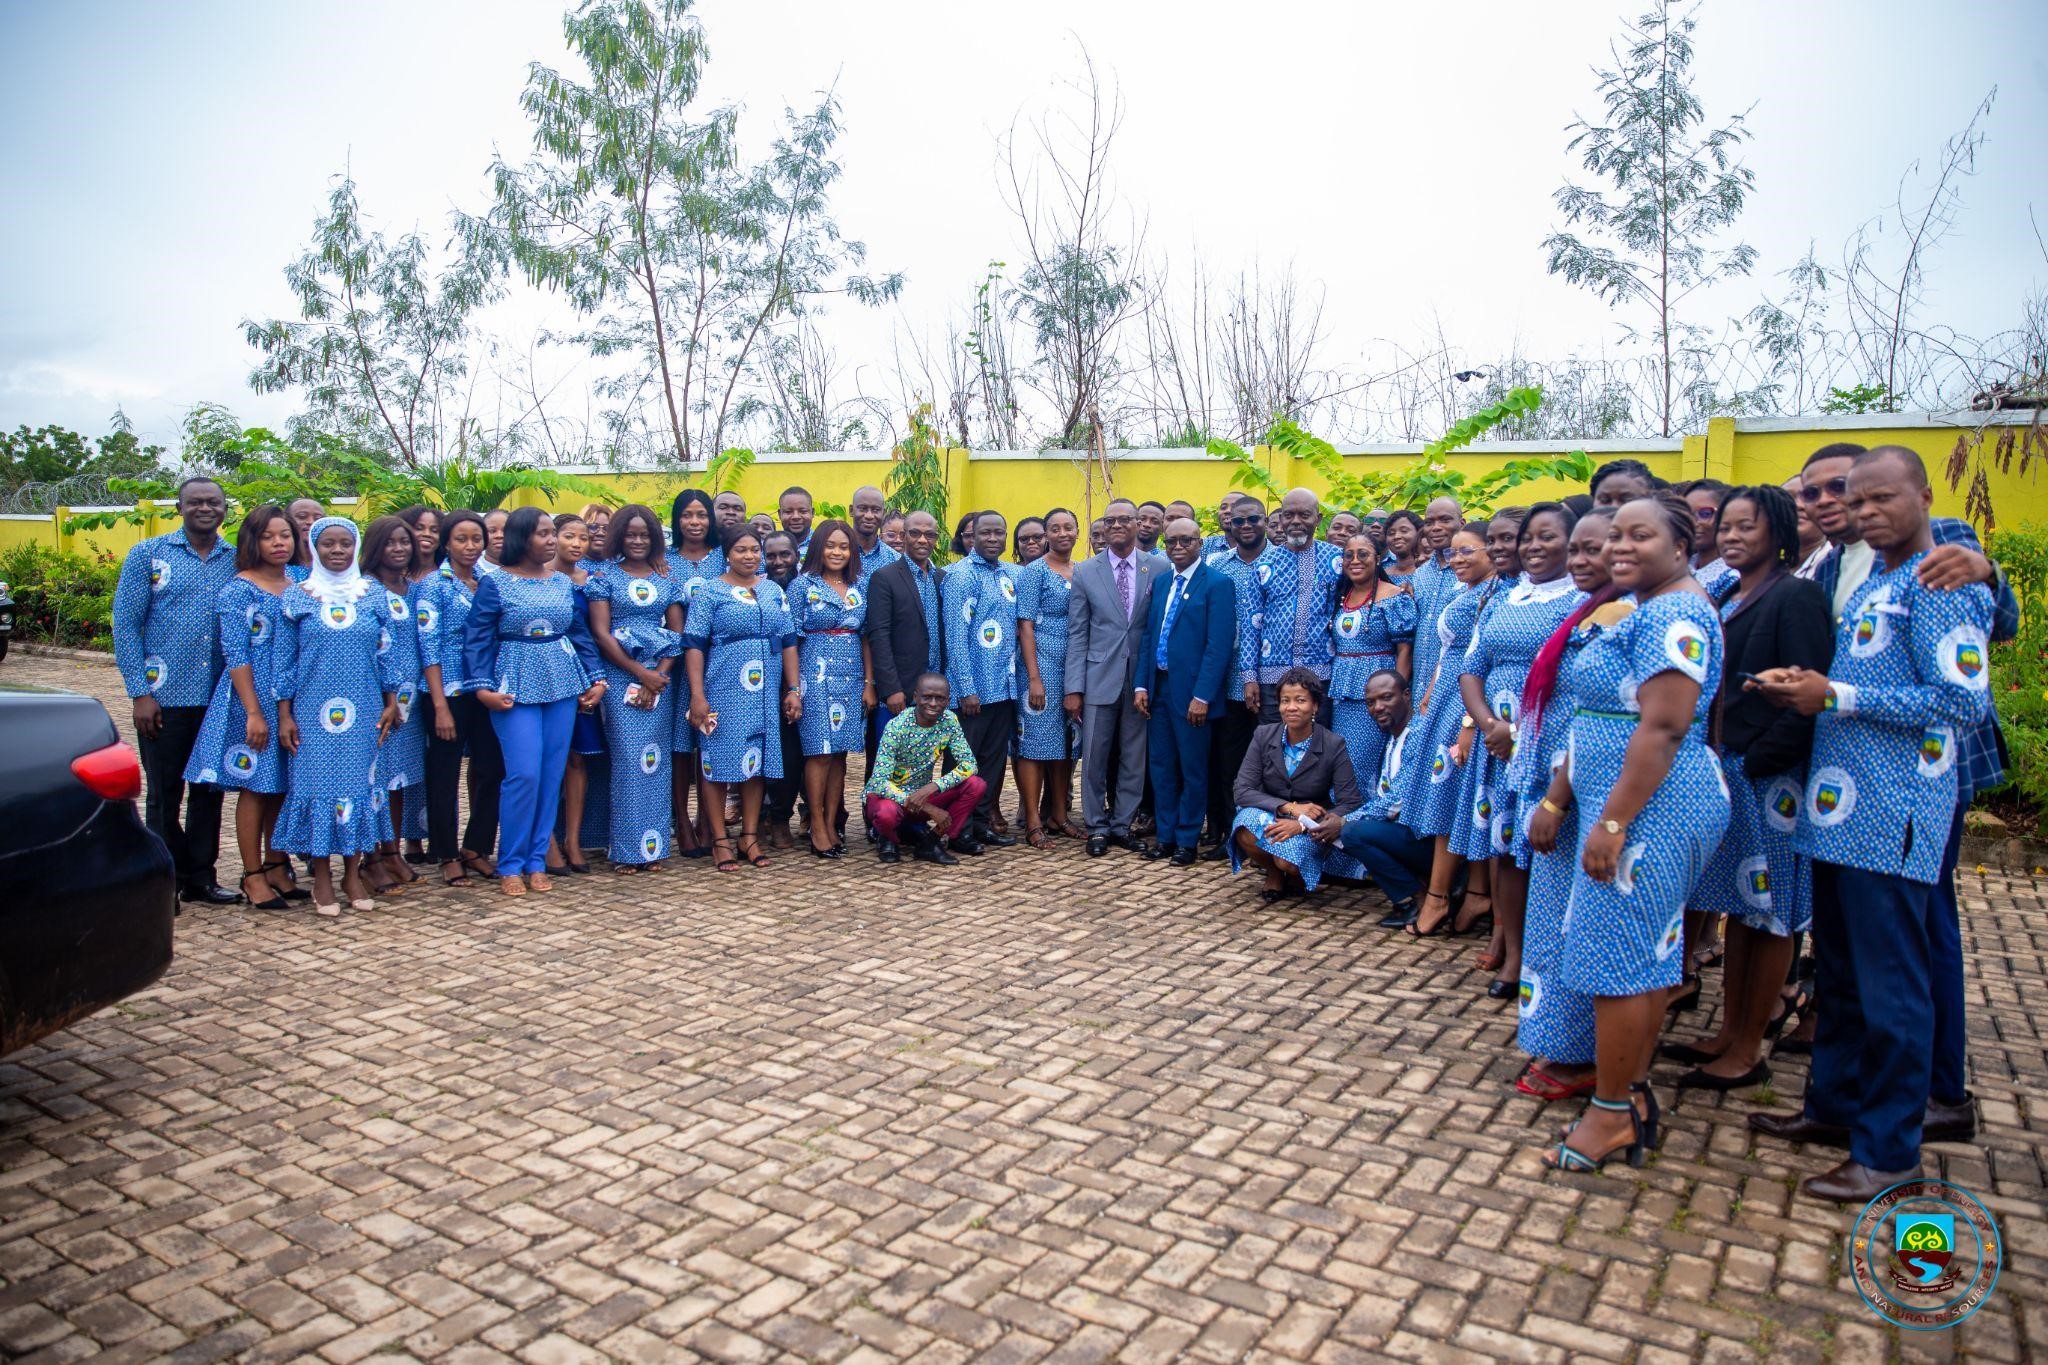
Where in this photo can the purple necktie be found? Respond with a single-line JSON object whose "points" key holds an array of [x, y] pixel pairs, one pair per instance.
{"points": [[1123, 585]]}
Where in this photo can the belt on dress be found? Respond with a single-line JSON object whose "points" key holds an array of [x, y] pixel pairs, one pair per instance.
{"points": [[832, 632], [1607, 715], [532, 639]]}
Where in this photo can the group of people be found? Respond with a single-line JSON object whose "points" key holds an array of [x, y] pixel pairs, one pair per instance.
{"points": [[1605, 726]]}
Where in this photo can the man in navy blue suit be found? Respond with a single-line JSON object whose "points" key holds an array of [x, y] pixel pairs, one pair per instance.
{"points": [[1183, 668]]}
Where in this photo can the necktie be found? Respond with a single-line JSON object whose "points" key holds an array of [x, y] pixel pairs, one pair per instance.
{"points": [[1123, 585], [1166, 622]]}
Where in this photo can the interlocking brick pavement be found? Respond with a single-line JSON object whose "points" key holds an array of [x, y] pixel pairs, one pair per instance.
{"points": [[1035, 1107]]}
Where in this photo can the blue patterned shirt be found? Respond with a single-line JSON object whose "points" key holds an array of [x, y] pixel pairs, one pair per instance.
{"points": [[1291, 610], [979, 603], [165, 642], [1244, 579], [881, 557], [927, 580], [1911, 675]]}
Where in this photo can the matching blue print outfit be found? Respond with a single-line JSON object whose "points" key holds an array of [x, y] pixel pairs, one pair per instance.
{"points": [[689, 575], [641, 739], [1521, 617], [829, 657], [1363, 640], [1431, 804], [742, 632], [248, 620], [334, 661], [1047, 735]]}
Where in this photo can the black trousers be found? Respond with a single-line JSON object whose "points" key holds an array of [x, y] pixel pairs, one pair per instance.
{"points": [[194, 840], [473, 730], [989, 734], [783, 791], [1230, 736]]}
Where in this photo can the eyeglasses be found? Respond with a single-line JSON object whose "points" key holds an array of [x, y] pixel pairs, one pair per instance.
{"points": [[1118, 521], [1706, 513], [1463, 551], [1834, 488], [1246, 521], [1183, 540], [1360, 557]]}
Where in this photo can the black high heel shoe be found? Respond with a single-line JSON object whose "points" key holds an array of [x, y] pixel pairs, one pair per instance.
{"points": [[1687, 1002], [1501, 990], [1685, 1054], [276, 902], [1700, 1079], [1652, 1130], [293, 892]]}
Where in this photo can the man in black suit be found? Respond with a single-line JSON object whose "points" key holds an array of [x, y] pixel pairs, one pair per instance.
{"points": [[902, 628]]}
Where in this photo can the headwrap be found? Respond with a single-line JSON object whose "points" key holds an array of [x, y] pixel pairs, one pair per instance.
{"points": [[323, 584]]}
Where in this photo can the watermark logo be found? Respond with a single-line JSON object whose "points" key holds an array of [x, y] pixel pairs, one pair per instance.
{"points": [[1925, 1254]]}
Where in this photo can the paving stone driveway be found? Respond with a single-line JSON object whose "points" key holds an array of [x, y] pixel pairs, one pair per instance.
{"points": [[1039, 1106]]}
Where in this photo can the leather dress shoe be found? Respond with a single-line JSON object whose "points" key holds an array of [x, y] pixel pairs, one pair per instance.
{"points": [[1183, 857], [1098, 844], [210, 893], [1158, 851], [1950, 1122], [1129, 841], [1215, 853], [1853, 1183], [934, 851], [983, 834], [1403, 915], [1799, 1128], [888, 853], [966, 843]]}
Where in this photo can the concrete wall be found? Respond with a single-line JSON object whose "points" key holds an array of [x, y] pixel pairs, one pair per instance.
{"points": [[1018, 483]]}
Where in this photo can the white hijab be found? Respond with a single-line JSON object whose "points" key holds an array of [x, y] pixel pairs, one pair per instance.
{"points": [[323, 584]]}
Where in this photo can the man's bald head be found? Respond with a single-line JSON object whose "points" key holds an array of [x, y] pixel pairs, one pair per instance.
{"points": [[1915, 468]]}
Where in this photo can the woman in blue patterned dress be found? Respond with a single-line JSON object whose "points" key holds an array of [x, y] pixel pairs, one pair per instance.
{"points": [[636, 621], [333, 655], [1440, 736], [1047, 738], [1372, 626], [526, 653], [835, 675], [402, 763], [1268, 831], [425, 524], [1496, 667], [1757, 878], [741, 646], [584, 817], [237, 748], [1651, 807], [1554, 1024], [440, 611], [694, 558], [1403, 536]]}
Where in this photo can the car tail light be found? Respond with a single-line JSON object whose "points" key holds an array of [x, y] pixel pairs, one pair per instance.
{"points": [[114, 772]]}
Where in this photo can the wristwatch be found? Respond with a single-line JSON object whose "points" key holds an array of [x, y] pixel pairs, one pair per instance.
{"points": [[1612, 826]]}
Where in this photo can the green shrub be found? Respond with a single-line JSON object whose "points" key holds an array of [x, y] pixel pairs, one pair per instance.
{"points": [[2019, 674], [60, 598]]}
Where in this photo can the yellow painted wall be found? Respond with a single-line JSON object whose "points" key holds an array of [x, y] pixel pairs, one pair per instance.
{"points": [[1028, 484]]}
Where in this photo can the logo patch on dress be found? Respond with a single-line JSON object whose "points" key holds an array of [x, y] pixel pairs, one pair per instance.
{"points": [[259, 626], [1627, 867], [241, 759], [641, 590], [339, 615], [1530, 996], [753, 675], [1440, 764], [344, 810], [650, 758], [1963, 658], [1753, 882], [1937, 751], [427, 616], [836, 715], [159, 574], [337, 715], [991, 634], [1781, 805], [650, 844], [1673, 937], [750, 763], [154, 671]]}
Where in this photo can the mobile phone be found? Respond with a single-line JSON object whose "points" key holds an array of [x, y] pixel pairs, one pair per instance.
{"points": [[1749, 678]]}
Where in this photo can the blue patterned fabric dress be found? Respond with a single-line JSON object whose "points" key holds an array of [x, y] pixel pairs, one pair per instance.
{"points": [[1049, 735], [742, 632], [247, 619], [1520, 620], [833, 722], [333, 661], [440, 607], [1627, 936], [402, 762], [1362, 642], [640, 810], [1311, 859], [537, 647], [1433, 586], [1555, 1022], [689, 575], [1431, 806], [1756, 874]]}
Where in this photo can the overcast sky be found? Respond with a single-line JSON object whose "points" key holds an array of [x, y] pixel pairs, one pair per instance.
{"points": [[164, 161]]}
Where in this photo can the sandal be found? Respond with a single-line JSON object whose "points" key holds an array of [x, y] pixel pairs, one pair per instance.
{"points": [[757, 857], [272, 902], [1440, 926], [478, 865], [512, 886], [725, 864], [539, 881], [1478, 906], [461, 877], [1572, 1161], [291, 890], [1036, 836], [1540, 1084], [1488, 961]]}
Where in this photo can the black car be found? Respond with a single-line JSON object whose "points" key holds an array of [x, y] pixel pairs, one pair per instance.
{"points": [[86, 891]]}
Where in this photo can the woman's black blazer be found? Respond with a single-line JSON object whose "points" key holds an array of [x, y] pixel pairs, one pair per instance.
{"points": [[1792, 623], [1324, 777]]}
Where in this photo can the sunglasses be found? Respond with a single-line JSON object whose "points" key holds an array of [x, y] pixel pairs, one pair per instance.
{"points": [[1183, 540], [1834, 488], [1247, 521]]}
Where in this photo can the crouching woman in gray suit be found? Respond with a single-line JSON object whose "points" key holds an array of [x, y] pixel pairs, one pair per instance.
{"points": [[1293, 793]]}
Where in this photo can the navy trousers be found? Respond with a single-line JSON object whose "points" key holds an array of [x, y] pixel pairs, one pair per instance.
{"points": [[1951, 1079], [1178, 755], [1395, 856], [1874, 937]]}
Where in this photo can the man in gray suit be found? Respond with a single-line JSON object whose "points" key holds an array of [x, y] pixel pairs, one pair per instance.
{"points": [[1105, 622]]}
